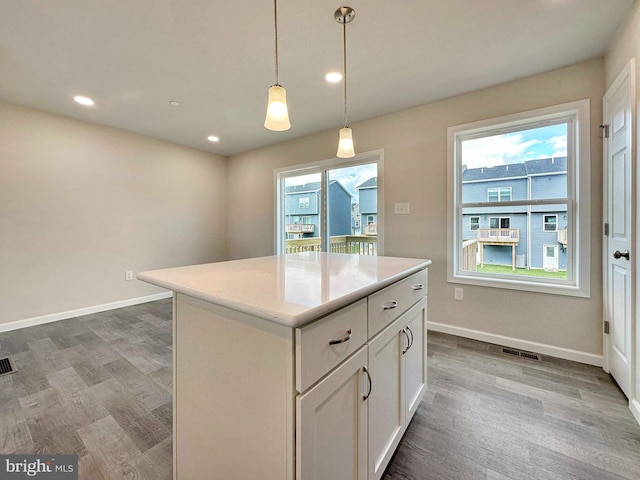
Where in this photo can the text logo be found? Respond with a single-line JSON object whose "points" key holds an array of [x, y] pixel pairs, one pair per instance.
{"points": [[46, 467]]}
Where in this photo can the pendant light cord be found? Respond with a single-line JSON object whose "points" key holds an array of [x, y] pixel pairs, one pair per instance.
{"points": [[344, 65], [275, 21]]}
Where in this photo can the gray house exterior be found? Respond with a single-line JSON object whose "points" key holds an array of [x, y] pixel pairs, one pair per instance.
{"points": [[302, 207], [537, 229]]}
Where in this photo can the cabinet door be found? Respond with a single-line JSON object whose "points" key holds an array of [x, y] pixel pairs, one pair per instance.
{"points": [[415, 358], [331, 425], [386, 403]]}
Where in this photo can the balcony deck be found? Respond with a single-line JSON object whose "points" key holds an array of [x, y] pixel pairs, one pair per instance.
{"points": [[499, 236], [300, 228]]}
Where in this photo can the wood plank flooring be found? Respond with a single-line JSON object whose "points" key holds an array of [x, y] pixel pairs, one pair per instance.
{"points": [[100, 386]]}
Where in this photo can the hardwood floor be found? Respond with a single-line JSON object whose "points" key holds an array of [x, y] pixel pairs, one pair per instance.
{"points": [[489, 415], [100, 386]]}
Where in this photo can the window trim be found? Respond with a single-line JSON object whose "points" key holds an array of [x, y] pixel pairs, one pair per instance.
{"points": [[305, 204], [471, 229], [545, 223], [321, 167], [578, 195], [499, 191], [500, 221]]}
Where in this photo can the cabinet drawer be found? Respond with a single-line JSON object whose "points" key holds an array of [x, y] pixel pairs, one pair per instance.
{"points": [[391, 302], [323, 344]]}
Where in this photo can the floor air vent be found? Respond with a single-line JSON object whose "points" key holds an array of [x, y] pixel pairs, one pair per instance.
{"points": [[519, 353], [6, 366]]}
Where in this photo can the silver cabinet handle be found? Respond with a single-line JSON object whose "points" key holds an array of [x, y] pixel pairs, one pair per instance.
{"points": [[417, 286], [618, 254], [389, 305], [411, 332], [342, 340], [405, 350], [366, 370]]}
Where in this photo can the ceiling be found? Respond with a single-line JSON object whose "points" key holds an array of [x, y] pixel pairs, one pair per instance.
{"points": [[217, 58]]}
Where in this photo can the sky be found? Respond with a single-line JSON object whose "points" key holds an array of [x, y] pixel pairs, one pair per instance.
{"points": [[349, 177], [516, 147]]}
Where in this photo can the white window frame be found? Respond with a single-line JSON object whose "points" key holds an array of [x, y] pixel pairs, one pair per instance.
{"points": [[500, 222], [498, 190], [577, 282], [471, 229], [545, 223], [304, 204], [322, 167]]}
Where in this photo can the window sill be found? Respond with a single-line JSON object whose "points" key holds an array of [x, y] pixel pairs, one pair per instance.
{"points": [[568, 289]]}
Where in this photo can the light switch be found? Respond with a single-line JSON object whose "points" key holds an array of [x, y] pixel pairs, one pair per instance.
{"points": [[401, 209]]}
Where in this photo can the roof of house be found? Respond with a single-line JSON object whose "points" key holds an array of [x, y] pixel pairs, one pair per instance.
{"points": [[311, 187], [370, 183], [523, 169]]}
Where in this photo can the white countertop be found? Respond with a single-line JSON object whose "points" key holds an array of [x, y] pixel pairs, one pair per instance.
{"points": [[290, 289]]}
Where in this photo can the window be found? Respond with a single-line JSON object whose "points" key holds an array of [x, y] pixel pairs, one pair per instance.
{"points": [[543, 157], [550, 223], [500, 222], [498, 194], [341, 199]]}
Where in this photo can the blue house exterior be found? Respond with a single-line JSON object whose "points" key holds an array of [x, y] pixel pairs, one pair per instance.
{"points": [[302, 210], [368, 205], [537, 229]]}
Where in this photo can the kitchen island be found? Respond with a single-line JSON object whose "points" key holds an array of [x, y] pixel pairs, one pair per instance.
{"points": [[306, 365]]}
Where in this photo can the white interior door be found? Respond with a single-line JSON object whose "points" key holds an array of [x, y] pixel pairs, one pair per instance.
{"points": [[618, 257]]}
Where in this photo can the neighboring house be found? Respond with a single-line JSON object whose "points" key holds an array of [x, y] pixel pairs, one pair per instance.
{"points": [[538, 233], [368, 202], [355, 219], [302, 207]]}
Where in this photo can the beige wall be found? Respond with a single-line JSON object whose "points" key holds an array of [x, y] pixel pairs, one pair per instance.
{"points": [[624, 47], [81, 203], [415, 171]]}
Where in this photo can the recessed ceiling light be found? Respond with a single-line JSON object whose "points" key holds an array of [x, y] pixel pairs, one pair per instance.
{"points": [[174, 103], [333, 77], [86, 101], [213, 138]]}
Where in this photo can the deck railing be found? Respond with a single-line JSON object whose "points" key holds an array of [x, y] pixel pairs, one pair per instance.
{"points": [[300, 228], [499, 235], [371, 229], [359, 244], [562, 237]]}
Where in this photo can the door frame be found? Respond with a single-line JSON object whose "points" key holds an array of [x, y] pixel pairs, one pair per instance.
{"points": [[627, 74], [556, 256]]}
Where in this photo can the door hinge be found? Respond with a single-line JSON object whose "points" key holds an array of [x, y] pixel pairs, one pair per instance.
{"points": [[605, 127], [606, 326], [606, 229]]}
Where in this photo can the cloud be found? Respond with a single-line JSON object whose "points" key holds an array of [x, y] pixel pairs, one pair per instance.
{"points": [[496, 150], [559, 145]]}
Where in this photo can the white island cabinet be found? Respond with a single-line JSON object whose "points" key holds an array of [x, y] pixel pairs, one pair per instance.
{"points": [[301, 366]]}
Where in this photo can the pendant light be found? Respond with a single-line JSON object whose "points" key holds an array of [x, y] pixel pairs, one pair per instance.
{"points": [[277, 114], [345, 15]]}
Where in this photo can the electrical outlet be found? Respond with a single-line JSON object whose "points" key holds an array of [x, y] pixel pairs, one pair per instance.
{"points": [[458, 294], [402, 209], [128, 275]]}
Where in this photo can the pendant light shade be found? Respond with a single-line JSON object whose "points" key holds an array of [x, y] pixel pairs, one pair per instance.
{"points": [[277, 112], [345, 144], [345, 15]]}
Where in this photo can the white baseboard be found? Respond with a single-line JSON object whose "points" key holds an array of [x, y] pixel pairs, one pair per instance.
{"points": [[634, 405], [544, 349], [54, 317]]}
